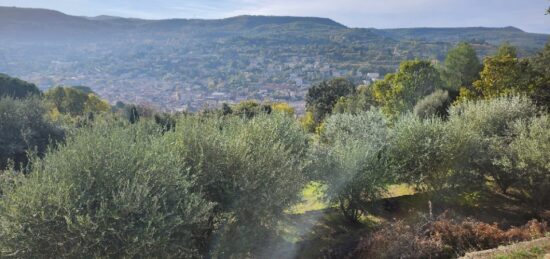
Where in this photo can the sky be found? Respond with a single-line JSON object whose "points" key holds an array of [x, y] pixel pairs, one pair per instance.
{"points": [[524, 14]]}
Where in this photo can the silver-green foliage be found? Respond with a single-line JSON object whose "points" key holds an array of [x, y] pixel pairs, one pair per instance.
{"points": [[435, 104], [110, 191], [253, 169], [419, 152], [353, 160], [529, 157], [483, 131], [461, 151]]}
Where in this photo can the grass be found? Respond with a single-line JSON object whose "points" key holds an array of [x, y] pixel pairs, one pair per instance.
{"points": [[313, 225], [534, 252], [397, 190], [312, 199]]}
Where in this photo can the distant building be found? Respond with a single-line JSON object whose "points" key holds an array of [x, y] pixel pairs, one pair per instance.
{"points": [[373, 76]]}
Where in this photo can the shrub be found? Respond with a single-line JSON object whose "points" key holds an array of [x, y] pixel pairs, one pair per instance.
{"points": [[433, 105], [353, 161], [399, 240], [108, 192], [442, 238], [23, 128]]}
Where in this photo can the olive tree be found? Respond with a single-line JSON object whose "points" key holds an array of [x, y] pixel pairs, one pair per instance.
{"points": [[528, 157], [251, 168], [435, 104], [485, 127], [420, 153], [110, 191], [353, 161]]}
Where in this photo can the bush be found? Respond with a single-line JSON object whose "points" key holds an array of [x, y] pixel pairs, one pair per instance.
{"points": [[253, 169], [23, 128], [353, 161], [442, 238], [108, 192], [433, 105], [399, 240]]}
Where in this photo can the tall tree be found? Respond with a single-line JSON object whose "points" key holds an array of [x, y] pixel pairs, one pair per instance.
{"points": [[461, 67], [505, 75], [322, 97], [507, 49], [541, 65], [399, 92]]}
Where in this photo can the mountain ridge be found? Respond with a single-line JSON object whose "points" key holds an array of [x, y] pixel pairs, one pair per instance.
{"points": [[10, 12]]}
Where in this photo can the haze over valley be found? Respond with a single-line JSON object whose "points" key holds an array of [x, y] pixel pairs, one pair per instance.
{"points": [[188, 64]]}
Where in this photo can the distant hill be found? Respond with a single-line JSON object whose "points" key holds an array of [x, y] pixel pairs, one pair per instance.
{"points": [[179, 63], [491, 35], [26, 24]]}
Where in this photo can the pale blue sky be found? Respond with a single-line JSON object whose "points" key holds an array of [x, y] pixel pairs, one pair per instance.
{"points": [[525, 14]]}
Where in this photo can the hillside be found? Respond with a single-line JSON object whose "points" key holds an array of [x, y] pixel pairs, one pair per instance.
{"points": [[491, 35], [179, 63]]}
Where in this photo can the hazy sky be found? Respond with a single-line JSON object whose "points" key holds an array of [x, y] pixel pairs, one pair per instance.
{"points": [[525, 14]]}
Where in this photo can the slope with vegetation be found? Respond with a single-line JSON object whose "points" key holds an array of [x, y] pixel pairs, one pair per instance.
{"points": [[433, 161]]}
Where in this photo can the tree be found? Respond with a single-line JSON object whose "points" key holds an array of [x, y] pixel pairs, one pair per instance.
{"points": [[282, 107], [353, 161], [250, 108], [506, 49], [24, 127], [111, 192], [541, 65], [528, 158], [461, 67], [251, 168], [131, 113], [321, 97], [420, 153], [363, 100], [75, 102], [94, 104], [503, 75], [482, 131], [84, 89], [399, 92], [16, 88], [308, 122], [433, 105]]}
